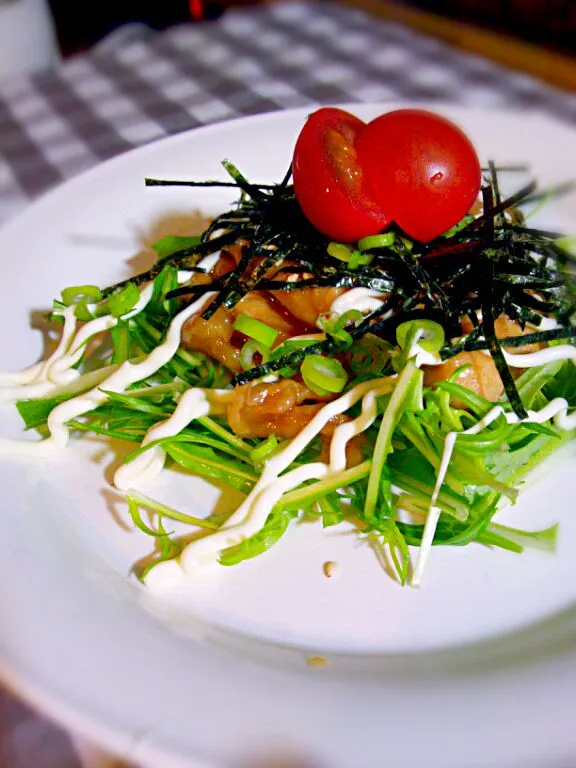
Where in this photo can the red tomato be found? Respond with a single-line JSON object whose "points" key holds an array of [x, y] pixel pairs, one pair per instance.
{"points": [[421, 168], [328, 181]]}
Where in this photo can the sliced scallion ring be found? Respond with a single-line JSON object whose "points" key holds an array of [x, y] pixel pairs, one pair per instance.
{"points": [[339, 251], [256, 330], [350, 256], [350, 316], [82, 311], [286, 348], [323, 375], [121, 302], [426, 333], [250, 349], [336, 328], [359, 260], [76, 293], [376, 241]]}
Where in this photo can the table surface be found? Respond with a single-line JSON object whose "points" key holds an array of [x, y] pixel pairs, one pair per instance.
{"points": [[138, 86]]}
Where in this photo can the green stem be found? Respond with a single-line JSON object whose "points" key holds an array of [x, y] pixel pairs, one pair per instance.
{"points": [[173, 514], [303, 496], [83, 383], [188, 357], [222, 432], [157, 389], [384, 440]]}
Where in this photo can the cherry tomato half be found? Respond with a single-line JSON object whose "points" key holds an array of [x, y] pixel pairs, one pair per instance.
{"points": [[421, 168], [328, 181]]}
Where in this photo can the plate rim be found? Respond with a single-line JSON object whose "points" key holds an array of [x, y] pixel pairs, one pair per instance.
{"points": [[116, 740]]}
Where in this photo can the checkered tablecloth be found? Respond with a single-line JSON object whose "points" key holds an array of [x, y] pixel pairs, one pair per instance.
{"points": [[138, 86]]}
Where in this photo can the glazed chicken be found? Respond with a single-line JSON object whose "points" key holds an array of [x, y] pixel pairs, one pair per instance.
{"points": [[308, 304], [285, 407], [482, 376], [291, 314], [215, 336]]}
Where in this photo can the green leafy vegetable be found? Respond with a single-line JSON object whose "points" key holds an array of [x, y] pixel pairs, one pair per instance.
{"points": [[484, 267], [173, 244]]}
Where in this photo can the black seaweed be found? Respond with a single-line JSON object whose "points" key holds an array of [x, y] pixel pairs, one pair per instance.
{"points": [[493, 265]]}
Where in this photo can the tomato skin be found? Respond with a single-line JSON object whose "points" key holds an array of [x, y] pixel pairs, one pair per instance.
{"points": [[328, 182], [421, 168]]}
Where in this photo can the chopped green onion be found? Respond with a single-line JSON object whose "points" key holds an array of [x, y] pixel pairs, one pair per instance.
{"points": [[250, 349], [323, 375], [428, 334], [339, 251], [408, 244], [83, 311], [352, 257], [76, 293], [121, 302], [286, 348], [359, 260], [256, 330], [457, 227], [354, 260], [376, 241], [335, 327], [350, 316]]}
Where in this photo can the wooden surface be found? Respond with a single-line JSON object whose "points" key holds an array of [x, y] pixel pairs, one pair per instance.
{"points": [[555, 68]]}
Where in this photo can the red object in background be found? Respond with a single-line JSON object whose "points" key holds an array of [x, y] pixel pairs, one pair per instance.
{"points": [[80, 25], [196, 9]]}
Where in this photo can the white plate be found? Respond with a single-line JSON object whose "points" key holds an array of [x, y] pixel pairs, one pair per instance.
{"points": [[476, 668]]}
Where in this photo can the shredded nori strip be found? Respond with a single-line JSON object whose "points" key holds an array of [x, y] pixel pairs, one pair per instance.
{"points": [[191, 255], [487, 324], [472, 344], [493, 265]]}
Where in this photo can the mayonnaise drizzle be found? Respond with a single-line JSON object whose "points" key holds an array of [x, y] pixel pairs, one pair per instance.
{"points": [[543, 356], [349, 429], [556, 409], [33, 381], [126, 374], [363, 299], [58, 369], [251, 515], [193, 404]]}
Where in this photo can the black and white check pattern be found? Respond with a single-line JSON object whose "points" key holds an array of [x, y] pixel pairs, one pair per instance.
{"points": [[133, 89], [139, 86]]}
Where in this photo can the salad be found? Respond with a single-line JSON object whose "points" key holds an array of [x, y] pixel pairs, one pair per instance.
{"points": [[381, 338]]}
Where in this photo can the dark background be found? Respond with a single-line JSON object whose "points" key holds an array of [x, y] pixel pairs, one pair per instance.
{"points": [[80, 24], [550, 23]]}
